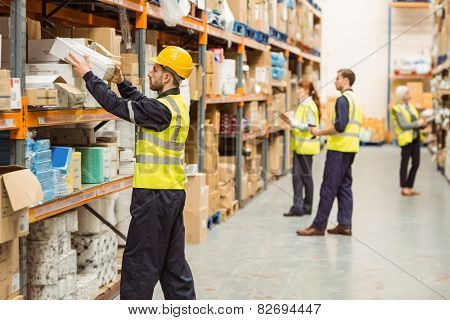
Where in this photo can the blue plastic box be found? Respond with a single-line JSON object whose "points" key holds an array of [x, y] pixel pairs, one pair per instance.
{"points": [[42, 166]]}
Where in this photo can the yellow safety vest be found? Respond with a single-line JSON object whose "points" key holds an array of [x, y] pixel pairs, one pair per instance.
{"points": [[348, 141], [159, 155], [404, 136], [302, 142]]}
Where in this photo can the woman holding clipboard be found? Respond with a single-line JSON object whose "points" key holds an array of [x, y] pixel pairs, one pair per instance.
{"points": [[305, 146]]}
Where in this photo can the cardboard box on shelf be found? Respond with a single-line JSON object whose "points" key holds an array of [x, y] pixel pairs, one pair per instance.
{"points": [[131, 73], [213, 116], [225, 187], [16, 94], [255, 18], [211, 160], [212, 180], [214, 199], [244, 187], [226, 201], [104, 36], [196, 209], [209, 61], [19, 189], [276, 155], [39, 50], [9, 269], [416, 90], [260, 70], [195, 82], [239, 10], [427, 100], [227, 171], [5, 90], [211, 136], [62, 70]]}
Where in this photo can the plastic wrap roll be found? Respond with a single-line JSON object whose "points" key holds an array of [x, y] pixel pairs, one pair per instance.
{"points": [[91, 164]]}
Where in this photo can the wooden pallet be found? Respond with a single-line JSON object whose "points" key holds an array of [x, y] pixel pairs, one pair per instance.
{"points": [[110, 291]]}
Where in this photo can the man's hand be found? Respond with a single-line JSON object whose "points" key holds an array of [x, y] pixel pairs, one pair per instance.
{"points": [[118, 76], [315, 131], [81, 67]]}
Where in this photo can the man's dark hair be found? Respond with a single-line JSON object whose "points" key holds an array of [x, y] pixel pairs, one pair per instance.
{"points": [[176, 82], [349, 74]]}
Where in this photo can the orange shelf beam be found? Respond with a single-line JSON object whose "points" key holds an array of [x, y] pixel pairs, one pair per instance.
{"points": [[73, 16], [410, 5], [411, 76], [77, 199], [66, 116], [133, 5], [10, 120]]}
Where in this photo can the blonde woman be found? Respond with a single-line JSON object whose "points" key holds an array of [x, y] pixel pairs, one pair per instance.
{"points": [[407, 129]]}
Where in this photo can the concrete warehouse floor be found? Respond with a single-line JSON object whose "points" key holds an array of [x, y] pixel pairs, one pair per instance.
{"points": [[400, 247]]}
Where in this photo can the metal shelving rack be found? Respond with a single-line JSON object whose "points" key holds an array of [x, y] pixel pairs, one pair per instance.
{"points": [[19, 122]]}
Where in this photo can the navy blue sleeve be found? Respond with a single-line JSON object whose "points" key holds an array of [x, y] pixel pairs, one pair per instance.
{"points": [[128, 91], [342, 116], [146, 112]]}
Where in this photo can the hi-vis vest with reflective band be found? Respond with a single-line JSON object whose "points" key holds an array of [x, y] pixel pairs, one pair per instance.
{"points": [[348, 141], [302, 142], [159, 155], [404, 136]]}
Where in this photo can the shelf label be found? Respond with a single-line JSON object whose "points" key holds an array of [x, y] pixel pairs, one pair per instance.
{"points": [[7, 123]]}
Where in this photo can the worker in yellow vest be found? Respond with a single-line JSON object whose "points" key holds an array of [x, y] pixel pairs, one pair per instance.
{"points": [[343, 144], [304, 146], [155, 246], [407, 129]]}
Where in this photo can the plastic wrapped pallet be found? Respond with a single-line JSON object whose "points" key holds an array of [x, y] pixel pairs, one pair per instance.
{"points": [[43, 292], [105, 272], [89, 224], [67, 264], [42, 262], [47, 229], [87, 286], [64, 244], [123, 226], [71, 218], [94, 250], [67, 287], [122, 206]]}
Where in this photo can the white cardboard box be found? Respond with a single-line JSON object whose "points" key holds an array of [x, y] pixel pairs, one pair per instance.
{"points": [[102, 66], [63, 70]]}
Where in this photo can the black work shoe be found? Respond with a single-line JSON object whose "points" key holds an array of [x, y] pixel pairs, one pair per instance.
{"points": [[292, 214]]}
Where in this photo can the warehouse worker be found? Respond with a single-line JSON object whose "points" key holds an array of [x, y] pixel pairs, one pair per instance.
{"points": [[343, 144], [155, 245], [407, 126], [304, 146]]}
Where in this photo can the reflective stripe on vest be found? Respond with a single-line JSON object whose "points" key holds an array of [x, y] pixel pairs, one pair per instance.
{"points": [[169, 145], [145, 159], [131, 111]]}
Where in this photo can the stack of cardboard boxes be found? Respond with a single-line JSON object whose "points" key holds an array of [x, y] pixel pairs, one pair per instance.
{"points": [[276, 156], [255, 113], [253, 13], [196, 209], [15, 182], [227, 173], [373, 130], [252, 167], [258, 78]]}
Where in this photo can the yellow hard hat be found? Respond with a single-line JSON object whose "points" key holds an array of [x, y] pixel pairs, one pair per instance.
{"points": [[176, 59]]}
